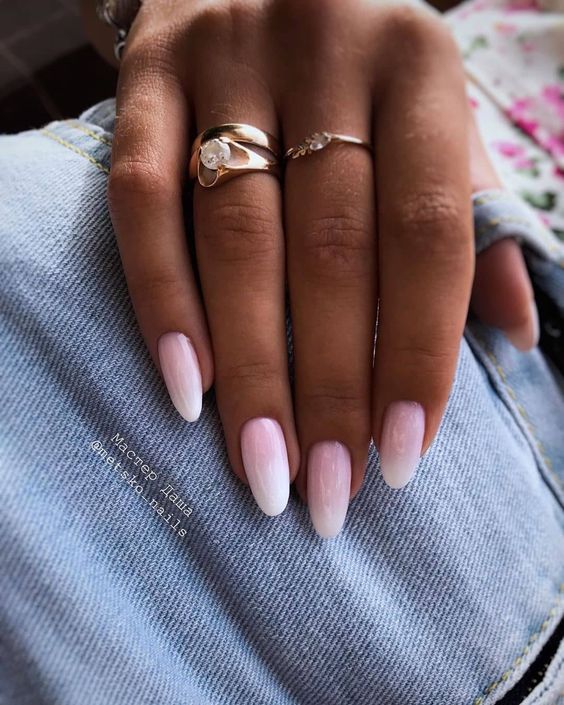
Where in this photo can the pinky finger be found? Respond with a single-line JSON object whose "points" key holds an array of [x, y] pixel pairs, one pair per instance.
{"points": [[502, 294]]}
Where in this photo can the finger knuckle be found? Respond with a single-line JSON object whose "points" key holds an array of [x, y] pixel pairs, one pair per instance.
{"points": [[433, 354], [304, 15], [259, 374], [135, 180], [334, 399], [159, 284], [338, 244], [241, 231], [430, 223], [228, 21], [315, 34], [150, 56], [417, 29]]}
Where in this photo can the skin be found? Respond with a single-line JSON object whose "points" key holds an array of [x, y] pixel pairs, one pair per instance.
{"points": [[342, 229]]}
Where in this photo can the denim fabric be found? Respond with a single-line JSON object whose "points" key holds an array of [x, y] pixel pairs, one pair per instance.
{"points": [[114, 592], [500, 213]]}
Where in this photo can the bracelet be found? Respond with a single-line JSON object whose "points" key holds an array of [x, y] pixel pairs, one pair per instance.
{"points": [[118, 14]]}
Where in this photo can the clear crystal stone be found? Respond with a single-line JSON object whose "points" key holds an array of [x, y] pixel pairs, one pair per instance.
{"points": [[318, 141], [214, 153]]}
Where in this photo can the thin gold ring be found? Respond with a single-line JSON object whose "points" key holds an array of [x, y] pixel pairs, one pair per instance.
{"points": [[220, 153], [319, 140]]}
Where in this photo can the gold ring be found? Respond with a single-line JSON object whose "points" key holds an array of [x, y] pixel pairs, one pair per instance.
{"points": [[219, 153], [319, 140]]}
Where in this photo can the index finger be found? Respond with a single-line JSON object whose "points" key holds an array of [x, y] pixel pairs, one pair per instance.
{"points": [[149, 159]]}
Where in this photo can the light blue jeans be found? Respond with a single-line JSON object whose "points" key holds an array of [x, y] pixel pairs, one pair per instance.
{"points": [[135, 569]]}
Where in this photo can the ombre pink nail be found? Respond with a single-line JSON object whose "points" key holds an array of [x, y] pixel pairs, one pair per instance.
{"points": [[328, 486], [265, 460], [526, 336], [400, 446], [181, 372]]}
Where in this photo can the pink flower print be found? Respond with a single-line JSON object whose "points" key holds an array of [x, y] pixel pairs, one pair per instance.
{"points": [[519, 113], [508, 149], [530, 127], [554, 96], [555, 144], [524, 164], [521, 6], [527, 46], [544, 218], [505, 28], [467, 10]]}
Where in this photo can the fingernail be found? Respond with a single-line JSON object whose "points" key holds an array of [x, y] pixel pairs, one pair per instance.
{"points": [[328, 486], [266, 464], [402, 438], [526, 336], [181, 372]]}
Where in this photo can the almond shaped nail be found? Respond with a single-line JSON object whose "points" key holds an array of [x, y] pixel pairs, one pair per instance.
{"points": [[181, 372], [400, 446], [328, 486], [265, 460], [526, 336]]}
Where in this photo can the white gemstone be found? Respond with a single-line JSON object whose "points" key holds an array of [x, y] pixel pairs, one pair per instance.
{"points": [[318, 141], [214, 153]]}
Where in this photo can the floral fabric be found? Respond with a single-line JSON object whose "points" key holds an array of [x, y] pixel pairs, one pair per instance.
{"points": [[514, 56]]}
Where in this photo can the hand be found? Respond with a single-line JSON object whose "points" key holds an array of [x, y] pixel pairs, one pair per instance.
{"points": [[348, 231]]}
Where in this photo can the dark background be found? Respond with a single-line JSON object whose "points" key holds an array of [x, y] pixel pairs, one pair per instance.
{"points": [[47, 69]]}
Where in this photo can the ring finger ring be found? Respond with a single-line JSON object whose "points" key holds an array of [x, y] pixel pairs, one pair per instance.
{"points": [[220, 153], [319, 140]]}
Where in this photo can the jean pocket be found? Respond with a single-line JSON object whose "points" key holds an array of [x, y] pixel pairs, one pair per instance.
{"points": [[543, 682]]}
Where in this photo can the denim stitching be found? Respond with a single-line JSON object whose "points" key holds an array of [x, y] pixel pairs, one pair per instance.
{"points": [[90, 133], [514, 220], [523, 413], [481, 699], [500, 220], [489, 197], [75, 149]]}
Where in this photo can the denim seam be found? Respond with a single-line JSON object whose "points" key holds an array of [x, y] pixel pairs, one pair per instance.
{"points": [[86, 131], [489, 196], [488, 226], [522, 413], [507, 220], [74, 149], [483, 698], [546, 687]]}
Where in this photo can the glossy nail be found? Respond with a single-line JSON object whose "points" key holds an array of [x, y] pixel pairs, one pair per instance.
{"points": [[526, 336], [181, 372], [328, 486], [265, 460], [400, 445]]}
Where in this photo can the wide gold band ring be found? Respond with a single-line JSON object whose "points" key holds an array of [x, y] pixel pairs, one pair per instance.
{"points": [[319, 140], [220, 153]]}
